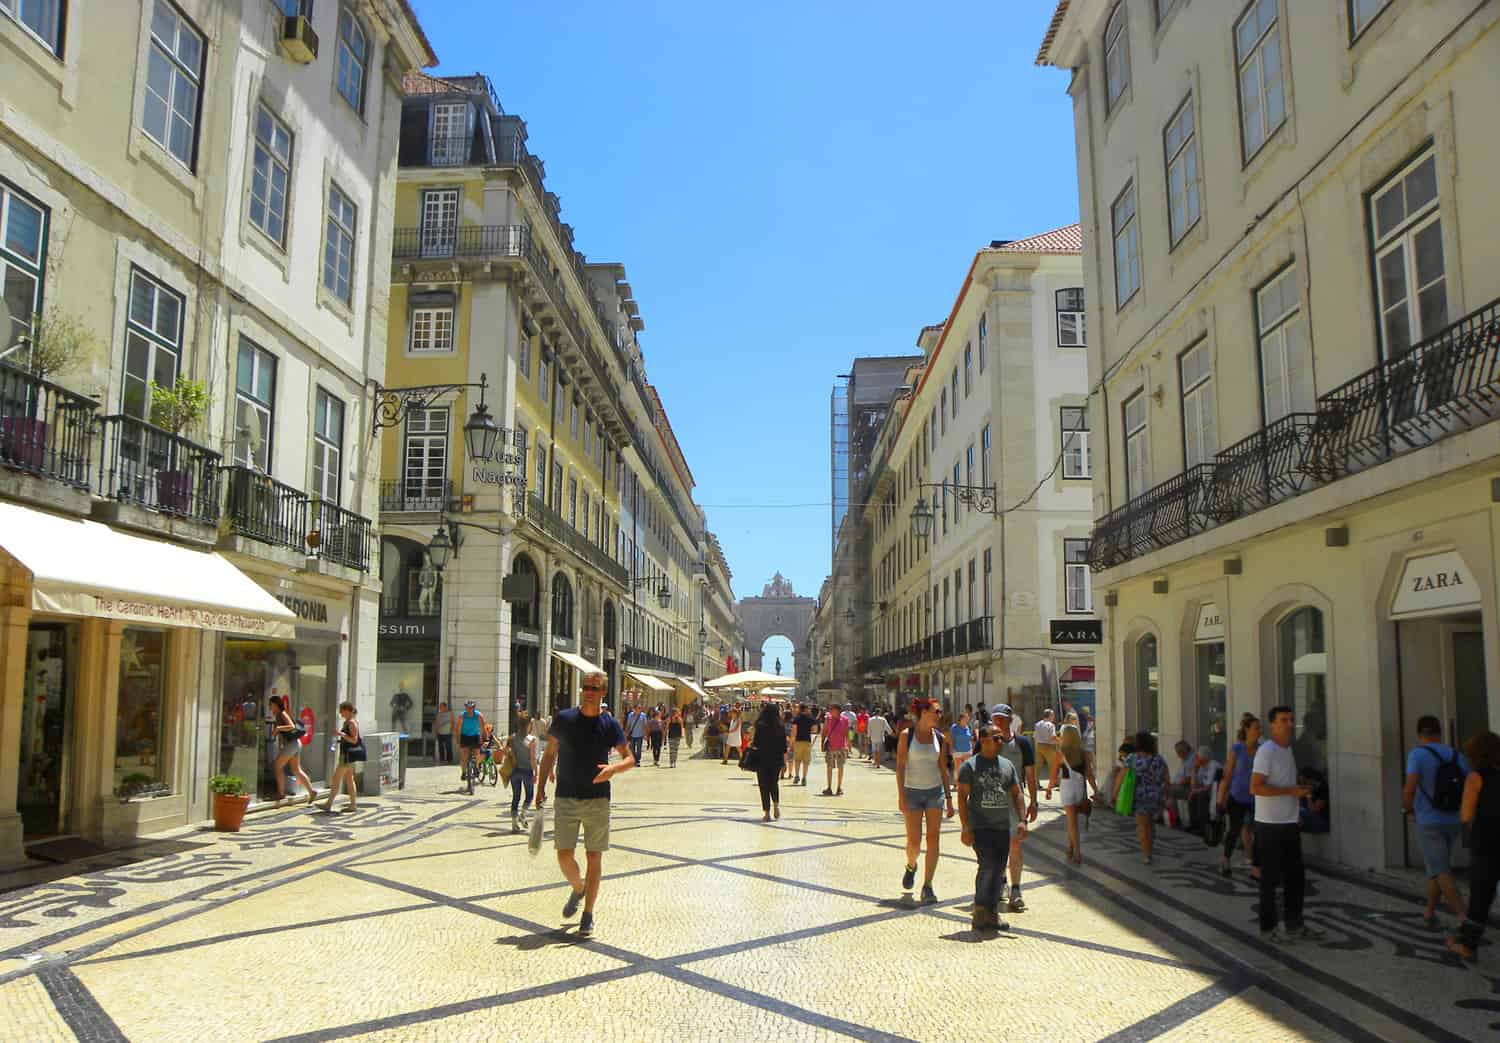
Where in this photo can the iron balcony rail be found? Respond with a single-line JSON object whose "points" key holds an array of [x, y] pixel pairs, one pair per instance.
{"points": [[551, 524], [260, 508], [45, 429], [143, 464], [415, 494], [1448, 383], [652, 661], [976, 635], [451, 150], [435, 242], [338, 535]]}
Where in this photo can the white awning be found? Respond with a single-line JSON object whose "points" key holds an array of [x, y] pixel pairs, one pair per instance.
{"points": [[84, 568], [577, 662], [693, 687], [649, 681]]}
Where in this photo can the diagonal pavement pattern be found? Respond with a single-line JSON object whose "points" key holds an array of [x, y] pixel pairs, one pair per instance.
{"points": [[421, 917]]}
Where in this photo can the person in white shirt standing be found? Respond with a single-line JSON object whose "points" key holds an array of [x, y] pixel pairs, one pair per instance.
{"points": [[1278, 838], [876, 730], [1045, 738]]}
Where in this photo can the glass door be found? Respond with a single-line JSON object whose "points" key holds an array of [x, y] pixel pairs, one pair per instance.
{"points": [[1213, 700], [439, 222], [41, 793]]}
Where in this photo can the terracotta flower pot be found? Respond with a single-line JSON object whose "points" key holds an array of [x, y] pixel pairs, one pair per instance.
{"points": [[229, 811]]}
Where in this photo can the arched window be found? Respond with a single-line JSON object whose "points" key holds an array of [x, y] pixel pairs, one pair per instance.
{"points": [[1302, 668], [1147, 685], [562, 606], [525, 613]]}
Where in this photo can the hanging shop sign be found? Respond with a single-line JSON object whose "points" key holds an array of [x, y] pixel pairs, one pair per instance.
{"points": [[1435, 584], [1076, 631], [1210, 623]]}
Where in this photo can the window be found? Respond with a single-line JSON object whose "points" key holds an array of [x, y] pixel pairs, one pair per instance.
{"points": [[1286, 378], [588, 510], [174, 75], [544, 378], [254, 406], [573, 422], [1147, 685], [23, 237], [42, 17], [958, 596], [984, 335], [588, 436], [1116, 58], [1127, 246], [141, 719], [1077, 593], [573, 501], [269, 175], [984, 455], [557, 478], [988, 606], [153, 342], [956, 484], [932, 427], [540, 488], [1257, 51], [972, 585], [426, 454], [968, 369], [431, 330], [1137, 446], [969, 465], [1200, 436], [450, 133], [328, 446], [353, 59], [1411, 279], [338, 248], [439, 231], [1181, 144], [943, 409], [1303, 676], [1078, 457], [1361, 14], [954, 397], [1069, 304], [523, 356]]}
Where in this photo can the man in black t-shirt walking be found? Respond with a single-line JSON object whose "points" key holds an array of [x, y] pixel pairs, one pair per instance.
{"points": [[802, 729], [578, 743]]}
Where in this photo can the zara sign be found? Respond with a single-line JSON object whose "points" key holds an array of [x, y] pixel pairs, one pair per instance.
{"points": [[1076, 631], [1435, 584]]}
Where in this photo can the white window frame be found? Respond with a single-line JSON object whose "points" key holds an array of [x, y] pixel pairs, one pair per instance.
{"points": [[161, 332], [1399, 243], [328, 446], [347, 63], [953, 400], [984, 455], [968, 370], [183, 75], [1280, 334], [431, 331], [249, 401], [1125, 231], [424, 454], [1137, 443], [449, 147], [1077, 455], [340, 238], [984, 334], [1116, 57], [438, 230], [1069, 322], [267, 160], [1078, 591], [1200, 427], [17, 266], [523, 356], [18, 11], [1257, 34], [1184, 195], [1362, 13]]}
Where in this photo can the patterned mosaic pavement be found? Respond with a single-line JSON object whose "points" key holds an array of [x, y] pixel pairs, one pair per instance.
{"points": [[420, 917]]}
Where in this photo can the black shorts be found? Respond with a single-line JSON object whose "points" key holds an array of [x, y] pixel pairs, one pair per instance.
{"points": [[468, 742]]}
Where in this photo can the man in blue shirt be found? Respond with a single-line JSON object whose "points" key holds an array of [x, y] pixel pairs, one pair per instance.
{"points": [[1431, 769]]}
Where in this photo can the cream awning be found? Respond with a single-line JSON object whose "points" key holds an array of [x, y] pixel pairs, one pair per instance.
{"points": [[84, 568], [577, 662], [693, 687], [649, 681]]}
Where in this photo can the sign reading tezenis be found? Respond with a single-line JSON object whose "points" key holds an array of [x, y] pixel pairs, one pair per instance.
{"points": [[1076, 632]]}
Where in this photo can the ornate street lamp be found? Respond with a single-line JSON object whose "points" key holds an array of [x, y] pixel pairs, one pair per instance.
{"points": [[664, 595], [440, 548], [393, 405], [480, 433], [921, 520], [981, 498]]}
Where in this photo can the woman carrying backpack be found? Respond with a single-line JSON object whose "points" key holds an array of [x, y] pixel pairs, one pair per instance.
{"points": [[288, 750]]}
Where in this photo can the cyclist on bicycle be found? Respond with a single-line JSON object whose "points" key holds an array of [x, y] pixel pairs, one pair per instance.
{"points": [[487, 746], [471, 729]]}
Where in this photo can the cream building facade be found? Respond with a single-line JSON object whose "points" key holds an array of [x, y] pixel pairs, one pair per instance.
{"points": [[1292, 325], [194, 191]]}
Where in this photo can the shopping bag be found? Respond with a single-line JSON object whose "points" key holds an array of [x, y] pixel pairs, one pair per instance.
{"points": [[508, 766], [538, 826], [1125, 801]]}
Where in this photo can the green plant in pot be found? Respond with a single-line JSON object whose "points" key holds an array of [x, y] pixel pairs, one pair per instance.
{"points": [[57, 342], [230, 802], [176, 409]]}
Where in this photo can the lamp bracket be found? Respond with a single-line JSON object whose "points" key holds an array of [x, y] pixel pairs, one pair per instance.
{"points": [[982, 498], [393, 405]]}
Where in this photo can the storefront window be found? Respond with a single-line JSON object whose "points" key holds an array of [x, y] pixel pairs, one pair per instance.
{"points": [[142, 709], [1147, 685], [1213, 703], [305, 673], [1304, 684]]}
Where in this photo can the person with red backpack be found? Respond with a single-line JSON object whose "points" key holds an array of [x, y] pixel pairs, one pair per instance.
{"points": [[1434, 795]]}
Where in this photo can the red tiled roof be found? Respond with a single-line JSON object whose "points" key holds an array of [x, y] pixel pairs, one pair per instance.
{"points": [[1042, 57], [415, 81], [1065, 240]]}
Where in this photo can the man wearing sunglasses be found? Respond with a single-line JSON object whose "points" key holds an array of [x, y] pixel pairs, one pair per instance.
{"points": [[579, 743]]}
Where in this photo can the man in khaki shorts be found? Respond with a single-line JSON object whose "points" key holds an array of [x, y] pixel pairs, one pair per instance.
{"points": [[802, 728], [578, 745]]}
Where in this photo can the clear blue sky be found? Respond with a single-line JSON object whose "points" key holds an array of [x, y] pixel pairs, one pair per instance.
{"points": [[789, 185]]}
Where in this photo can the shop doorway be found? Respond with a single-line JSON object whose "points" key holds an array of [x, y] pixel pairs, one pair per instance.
{"points": [[46, 732], [304, 673]]}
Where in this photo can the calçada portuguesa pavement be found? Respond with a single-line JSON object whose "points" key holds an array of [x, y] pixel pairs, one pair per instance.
{"points": [[421, 917]]}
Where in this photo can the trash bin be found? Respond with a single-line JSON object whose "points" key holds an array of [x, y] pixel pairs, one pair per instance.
{"points": [[383, 763]]}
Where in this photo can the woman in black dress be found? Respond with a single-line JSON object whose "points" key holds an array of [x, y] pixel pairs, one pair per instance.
{"points": [[769, 746]]}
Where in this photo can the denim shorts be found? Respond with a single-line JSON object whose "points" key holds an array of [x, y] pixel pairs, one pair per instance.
{"points": [[1436, 844], [924, 799]]}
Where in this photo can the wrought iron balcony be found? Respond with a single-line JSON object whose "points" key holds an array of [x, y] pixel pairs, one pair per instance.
{"points": [[429, 242], [45, 429], [153, 468], [415, 494], [451, 150], [652, 661], [260, 508], [551, 524], [1446, 384], [338, 535]]}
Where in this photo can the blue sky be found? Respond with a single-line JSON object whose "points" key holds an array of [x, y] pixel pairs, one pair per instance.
{"points": [[788, 185]]}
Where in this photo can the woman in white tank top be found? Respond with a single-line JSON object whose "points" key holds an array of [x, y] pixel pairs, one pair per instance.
{"points": [[924, 788]]}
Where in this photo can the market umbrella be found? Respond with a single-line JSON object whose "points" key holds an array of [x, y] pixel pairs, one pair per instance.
{"points": [[753, 680]]}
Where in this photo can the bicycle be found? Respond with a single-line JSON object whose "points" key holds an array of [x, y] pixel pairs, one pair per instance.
{"points": [[489, 771], [472, 770]]}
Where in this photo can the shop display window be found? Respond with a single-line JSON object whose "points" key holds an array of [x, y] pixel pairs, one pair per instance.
{"points": [[1304, 684], [139, 760], [1147, 685], [303, 672]]}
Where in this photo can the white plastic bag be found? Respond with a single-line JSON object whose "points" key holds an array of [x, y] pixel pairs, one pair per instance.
{"points": [[538, 826]]}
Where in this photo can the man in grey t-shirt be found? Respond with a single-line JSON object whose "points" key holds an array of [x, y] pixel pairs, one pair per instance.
{"points": [[989, 792]]}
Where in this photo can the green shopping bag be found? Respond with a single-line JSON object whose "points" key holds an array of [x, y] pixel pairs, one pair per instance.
{"points": [[1125, 802]]}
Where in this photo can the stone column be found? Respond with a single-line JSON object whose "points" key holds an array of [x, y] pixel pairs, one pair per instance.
{"points": [[97, 698], [478, 622], [544, 654], [14, 620]]}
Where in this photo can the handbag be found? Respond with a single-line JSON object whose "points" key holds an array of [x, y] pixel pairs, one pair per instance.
{"points": [[356, 752], [508, 765], [748, 759], [1125, 799]]}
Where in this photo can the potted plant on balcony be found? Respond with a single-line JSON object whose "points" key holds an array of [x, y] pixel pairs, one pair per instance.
{"points": [[230, 802], [175, 409], [58, 342]]}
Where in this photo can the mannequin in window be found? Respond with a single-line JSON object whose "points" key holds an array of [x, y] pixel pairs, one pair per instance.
{"points": [[400, 707]]}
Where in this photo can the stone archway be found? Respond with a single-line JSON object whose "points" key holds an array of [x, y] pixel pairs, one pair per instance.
{"points": [[778, 611]]}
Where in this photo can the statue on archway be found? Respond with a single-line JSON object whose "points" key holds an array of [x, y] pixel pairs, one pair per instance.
{"points": [[779, 587], [778, 666]]}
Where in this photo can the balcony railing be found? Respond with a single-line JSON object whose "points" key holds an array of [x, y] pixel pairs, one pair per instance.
{"points": [[338, 535], [652, 661], [551, 524], [45, 429], [977, 635], [1446, 384], [450, 150], [441, 241], [259, 507], [148, 466], [415, 494]]}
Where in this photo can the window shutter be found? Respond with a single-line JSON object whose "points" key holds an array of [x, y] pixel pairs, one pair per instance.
{"points": [[1273, 375], [1299, 376]]}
